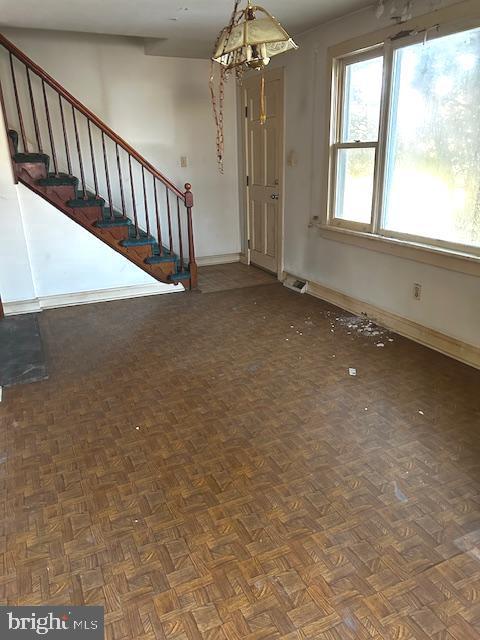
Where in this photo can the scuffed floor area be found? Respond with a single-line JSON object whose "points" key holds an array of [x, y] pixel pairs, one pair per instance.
{"points": [[22, 358], [206, 466], [222, 277]]}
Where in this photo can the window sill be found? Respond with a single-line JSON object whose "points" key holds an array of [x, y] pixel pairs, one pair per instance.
{"points": [[427, 254]]}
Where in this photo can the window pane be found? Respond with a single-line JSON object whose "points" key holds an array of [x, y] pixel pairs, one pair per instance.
{"points": [[432, 172], [354, 192], [361, 103]]}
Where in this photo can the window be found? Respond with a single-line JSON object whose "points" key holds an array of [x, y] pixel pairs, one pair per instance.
{"points": [[405, 142], [356, 149]]}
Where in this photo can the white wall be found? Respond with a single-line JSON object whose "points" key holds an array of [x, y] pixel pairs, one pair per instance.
{"points": [[65, 258], [16, 282], [450, 300]]}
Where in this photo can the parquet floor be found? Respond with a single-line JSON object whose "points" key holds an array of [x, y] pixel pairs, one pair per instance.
{"points": [[221, 277], [205, 468]]}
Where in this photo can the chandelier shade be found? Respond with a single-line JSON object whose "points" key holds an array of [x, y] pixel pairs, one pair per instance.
{"points": [[250, 39], [255, 37]]}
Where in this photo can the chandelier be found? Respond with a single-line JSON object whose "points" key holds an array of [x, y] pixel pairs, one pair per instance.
{"points": [[251, 38]]}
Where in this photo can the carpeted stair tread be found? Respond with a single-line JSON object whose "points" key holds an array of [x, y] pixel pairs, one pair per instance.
{"points": [[142, 240], [118, 222], [32, 158], [90, 201], [59, 180], [181, 275], [107, 213], [158, 259]]}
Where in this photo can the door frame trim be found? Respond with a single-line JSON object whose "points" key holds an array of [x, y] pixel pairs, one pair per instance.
{"points": [[275, 74]]}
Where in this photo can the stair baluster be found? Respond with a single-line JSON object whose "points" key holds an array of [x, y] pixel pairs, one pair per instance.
{"points": [[157, 216], [34, 111], [107, 178], [134, 203], [65, 136], [170, 235], [19, 108], [180, 243], [79, 152], [120, 180], [92, 154], [147, 217], [50, 131]]}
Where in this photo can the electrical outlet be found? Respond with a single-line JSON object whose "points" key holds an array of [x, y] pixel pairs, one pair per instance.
{"points": [[417, 291], [183, 161]]}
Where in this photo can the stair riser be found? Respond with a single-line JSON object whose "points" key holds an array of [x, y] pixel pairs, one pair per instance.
{"points": [[119, 233], [143, 252], [63, 193], [167, 267], [31, 171], [89, 215]]}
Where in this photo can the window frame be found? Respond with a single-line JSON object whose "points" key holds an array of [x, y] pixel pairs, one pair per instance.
{"points": [[336, 128], [386, 46]]}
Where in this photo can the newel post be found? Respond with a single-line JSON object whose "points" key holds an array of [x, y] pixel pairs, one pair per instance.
{"points": [[192, 265]]}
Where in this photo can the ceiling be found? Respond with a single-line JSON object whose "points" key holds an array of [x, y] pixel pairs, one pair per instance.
{"points": [[182, 27]]}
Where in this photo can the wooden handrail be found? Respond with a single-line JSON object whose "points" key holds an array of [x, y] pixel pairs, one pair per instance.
{"points": [[88, 114]]}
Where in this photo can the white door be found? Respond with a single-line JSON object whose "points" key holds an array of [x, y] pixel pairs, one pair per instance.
{"points": [[264, 144]]}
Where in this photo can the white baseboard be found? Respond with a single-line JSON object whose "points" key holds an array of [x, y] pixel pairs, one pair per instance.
{"points": [[88, 297], [223, 258], [21, 306], [457, 349], [105, 295]]}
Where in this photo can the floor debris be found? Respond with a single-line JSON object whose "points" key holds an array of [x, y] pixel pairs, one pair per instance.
{"points": [[352, 372], [361, 326]]}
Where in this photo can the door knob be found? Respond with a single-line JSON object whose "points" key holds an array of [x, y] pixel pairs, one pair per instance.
{"points": [[274, 196]]}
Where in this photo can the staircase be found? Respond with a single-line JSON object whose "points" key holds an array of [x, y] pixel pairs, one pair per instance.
{"points": [[66, 155]]}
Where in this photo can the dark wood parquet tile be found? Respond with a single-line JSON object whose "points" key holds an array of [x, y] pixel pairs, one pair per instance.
{"points": [[204, 468], [222, 277]]}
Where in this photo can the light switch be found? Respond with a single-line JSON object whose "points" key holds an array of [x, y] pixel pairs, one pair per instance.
{"points": [[183, 161]]}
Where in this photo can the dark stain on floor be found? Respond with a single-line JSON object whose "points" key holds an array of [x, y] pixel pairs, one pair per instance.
{"points": [[22, 358]]}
